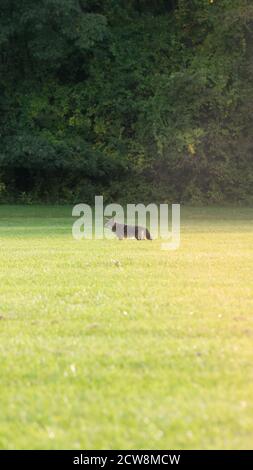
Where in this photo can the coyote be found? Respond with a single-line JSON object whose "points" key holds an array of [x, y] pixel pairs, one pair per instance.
{"points": [[128, 231]]}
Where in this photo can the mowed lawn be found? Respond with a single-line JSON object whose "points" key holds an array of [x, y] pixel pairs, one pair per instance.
{"points": [[110, 344]]}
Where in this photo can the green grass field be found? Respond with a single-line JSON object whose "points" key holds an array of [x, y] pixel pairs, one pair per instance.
{"points": [[109, 344]]}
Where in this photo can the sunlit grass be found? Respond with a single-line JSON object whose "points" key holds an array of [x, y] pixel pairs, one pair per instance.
{"points": [[109, 344]]}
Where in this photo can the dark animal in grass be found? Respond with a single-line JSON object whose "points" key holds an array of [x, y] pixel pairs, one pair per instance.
{"points": [[128, 231]]}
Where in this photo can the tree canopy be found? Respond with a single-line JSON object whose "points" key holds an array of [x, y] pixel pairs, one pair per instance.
{"points": [[137, 100]]}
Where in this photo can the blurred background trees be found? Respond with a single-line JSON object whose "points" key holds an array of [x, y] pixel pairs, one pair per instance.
{"points": [[138, 100]]}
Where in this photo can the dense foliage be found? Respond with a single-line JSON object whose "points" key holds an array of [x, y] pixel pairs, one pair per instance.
{"points": [[135, 100]]}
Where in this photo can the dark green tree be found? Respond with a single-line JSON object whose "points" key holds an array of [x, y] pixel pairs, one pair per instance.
{"points": [[136, 99]]}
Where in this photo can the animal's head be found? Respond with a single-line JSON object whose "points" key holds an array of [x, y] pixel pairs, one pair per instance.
{"points": [[109, 222]]}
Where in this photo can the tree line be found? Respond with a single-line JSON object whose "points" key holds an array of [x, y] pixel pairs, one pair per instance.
{"points": [[136, 100]]}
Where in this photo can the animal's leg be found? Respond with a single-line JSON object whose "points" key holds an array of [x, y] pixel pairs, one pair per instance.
{"points": [[140, 236]]}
